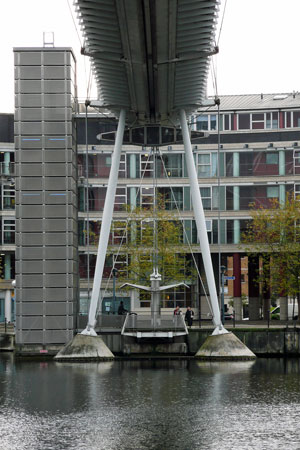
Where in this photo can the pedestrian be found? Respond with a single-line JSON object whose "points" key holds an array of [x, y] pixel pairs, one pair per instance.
{"points": [[121, 309], [189, 316], [177, 311]]}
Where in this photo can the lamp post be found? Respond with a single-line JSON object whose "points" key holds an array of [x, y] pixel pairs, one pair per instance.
{"points": [[114, 272], [223, 269]]}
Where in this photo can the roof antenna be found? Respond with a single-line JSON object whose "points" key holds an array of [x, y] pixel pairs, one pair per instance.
{"points": [[261, 96], [48, 39]]}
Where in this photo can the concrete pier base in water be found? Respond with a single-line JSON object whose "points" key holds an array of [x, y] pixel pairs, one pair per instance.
{"points": [[224, 346], [85, 348]]}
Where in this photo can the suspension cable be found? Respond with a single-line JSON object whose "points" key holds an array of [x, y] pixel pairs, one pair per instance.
{"points": [[185, 233], [125, 230]]}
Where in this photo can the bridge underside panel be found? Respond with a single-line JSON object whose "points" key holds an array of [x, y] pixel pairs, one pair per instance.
{"points": [[150, 56]]}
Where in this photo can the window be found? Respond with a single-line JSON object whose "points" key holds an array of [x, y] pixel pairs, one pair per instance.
{"points": [[208, 165], [120, 198], [147, 197], [118, 235], [206, 122], [225, 122], [206, 197], [202, 122], [258, 121], [204, 165], [272, 120], [244, 121], [213, 122], [271, 158], [8, 197], [146, 169], [288, 119], [272, 191], [171, 165], [173, 198], [8, 231], [296, 118]]}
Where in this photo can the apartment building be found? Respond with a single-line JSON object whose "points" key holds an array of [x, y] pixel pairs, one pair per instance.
{"points": [[252, 155]]}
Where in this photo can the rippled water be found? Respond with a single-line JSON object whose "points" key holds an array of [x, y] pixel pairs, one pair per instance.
{"points": [[149, 405]]}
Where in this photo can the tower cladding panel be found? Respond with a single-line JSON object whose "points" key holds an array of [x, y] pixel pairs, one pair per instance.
{"points": [[46, 196]]}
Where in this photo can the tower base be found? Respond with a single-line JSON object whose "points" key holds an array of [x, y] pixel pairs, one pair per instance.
{"points": [[85, 348], [224, 346]]}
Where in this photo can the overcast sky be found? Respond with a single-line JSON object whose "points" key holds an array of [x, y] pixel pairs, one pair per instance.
{"points": [[259, 44]]}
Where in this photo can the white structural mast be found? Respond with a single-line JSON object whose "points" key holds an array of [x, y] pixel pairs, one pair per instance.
{"points": [[105, 226]]}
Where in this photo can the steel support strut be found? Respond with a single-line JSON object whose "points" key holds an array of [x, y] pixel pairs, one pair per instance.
{"points": [[105, 225], [200, 223]]}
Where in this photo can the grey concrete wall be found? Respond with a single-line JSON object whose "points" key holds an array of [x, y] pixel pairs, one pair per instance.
{"points": [[46, 196], [269, 342], [266, 342]]}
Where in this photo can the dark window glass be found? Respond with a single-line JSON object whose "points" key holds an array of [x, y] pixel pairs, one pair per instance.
{"points": [[227, 122], [258, 125], [126, 137], [202, 122], [153, 135], [246, 163], [229, 198], [167, 135], [229, 231], [244, 121], [178, 135], [229, 164], [138, 135], [296, 119], [213, 122], [257, 117], [246, 197]]}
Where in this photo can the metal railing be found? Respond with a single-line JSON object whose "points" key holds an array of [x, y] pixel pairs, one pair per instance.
{"points": [[112, 322], [136, 322]]}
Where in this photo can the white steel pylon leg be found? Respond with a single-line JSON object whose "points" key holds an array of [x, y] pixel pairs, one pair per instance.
{"points": [[105, 225], [201, 225]]}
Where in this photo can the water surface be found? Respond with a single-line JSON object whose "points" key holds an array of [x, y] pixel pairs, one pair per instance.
{"points": [[149, 405]]}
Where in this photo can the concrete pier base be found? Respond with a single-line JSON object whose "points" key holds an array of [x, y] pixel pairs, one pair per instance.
{"points": [[85, 348], [7, 342], [224, 346]]}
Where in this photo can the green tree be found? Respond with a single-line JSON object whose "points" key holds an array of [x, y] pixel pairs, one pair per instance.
{"points": [[274, 234], [166, 250]]}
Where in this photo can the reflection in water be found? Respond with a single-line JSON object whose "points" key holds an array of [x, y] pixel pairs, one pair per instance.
{"points": [[157, 405]]}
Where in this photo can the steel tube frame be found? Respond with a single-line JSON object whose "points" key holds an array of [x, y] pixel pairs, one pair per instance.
{"points": [[105, 225], [201, 225]]}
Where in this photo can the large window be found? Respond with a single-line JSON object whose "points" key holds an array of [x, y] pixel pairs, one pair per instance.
{"points": [[8, 227], [99, 165], [207, 164], [172, 198], [259, 121], [272, 120], [7, 196], [226, 122], [244, 122], [97, 196], [170, 166], [206, 122]]}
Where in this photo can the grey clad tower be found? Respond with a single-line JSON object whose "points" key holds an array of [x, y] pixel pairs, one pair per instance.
{"points": [[46, 196]]}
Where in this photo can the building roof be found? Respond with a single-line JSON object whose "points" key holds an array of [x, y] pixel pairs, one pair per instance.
{"points": [[250, 102], [150, 57]]}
